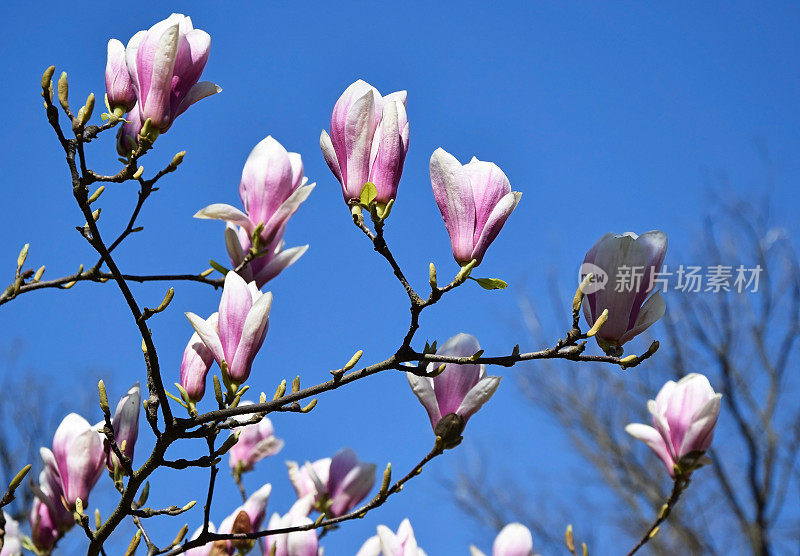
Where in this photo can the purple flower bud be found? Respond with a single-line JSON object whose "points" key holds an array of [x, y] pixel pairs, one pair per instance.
{"points": [[368, 141], [12, 540], [241, 327], [475, 201], [79, 456], [299, 543], [458, 389], [627, 263], [165, 64], [256, 442], [339, 483], [684, 416], [126, 426], [272, 189], [513, 540], [385, 542], [119, 87], [128, 134], [196, 362]]}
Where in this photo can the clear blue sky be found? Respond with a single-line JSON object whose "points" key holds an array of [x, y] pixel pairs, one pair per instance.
{"points": [[606, 116]]}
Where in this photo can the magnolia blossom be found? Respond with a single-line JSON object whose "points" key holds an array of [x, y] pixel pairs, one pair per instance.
{"points": [[49, 519], [387, 543], [475, 201], [79, 458], [338, 483], [236, 333], [195, 364], [12, 539], [165, 64], [368, 140], [459, 390], [299, 543], [256, 441], [204, 550], [513, 540], [126, 426], [128, 134], [272, 189], [119, 87], [614, 258], [684, 416], [247, 518]]}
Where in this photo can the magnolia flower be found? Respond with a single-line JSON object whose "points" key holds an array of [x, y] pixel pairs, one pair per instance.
{"points": [[79, 458], [684, 416], [204, 550], [195, 364], [246, 518], [475, 201], [299, 543], [256, 442], [455, 394], [339, 483], [128, 134], [126, 426], [165, 63], [368, 141], [513, 540], [387, 543], [12, 539], [241, 326], [272, 189], [119, 87], [617, 257]]}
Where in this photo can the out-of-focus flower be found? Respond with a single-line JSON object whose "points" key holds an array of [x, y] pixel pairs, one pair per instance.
{"points": [[455, 394], [513, 540], [338, 484], [12, 539], [79, 457], [204, 550], [165, 63], [241, 326], [475, 200], [628, 261], [272, 189], [368, 141], [684, 416], [126, 426], [246, 518], [195, 364], [256, 442], [387, 543], [119, 87], [299, 543]]}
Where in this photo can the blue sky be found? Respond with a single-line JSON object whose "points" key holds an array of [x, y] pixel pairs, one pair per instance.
{"points": [[607, 116]]}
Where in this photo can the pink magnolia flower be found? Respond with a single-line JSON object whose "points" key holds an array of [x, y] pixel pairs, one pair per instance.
{"points": [[256, 442], [254, 509], [119, 87], [126, 426], [339, 483], [684, 416], [387, 543], [128, 134], [12, 539], [165, 64], [298, 543], [272, 189], [475, 201], [195, 364], [615, 257], [513, 540], [241, 326], [368, 140], [204, 550], [49, 519], [458, 389], [79, 458]]}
